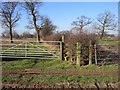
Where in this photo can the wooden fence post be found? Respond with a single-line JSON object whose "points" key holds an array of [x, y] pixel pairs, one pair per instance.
{"points": [[63, 39], [62, 47], [90, 53], [66, 52], [78, 54]]}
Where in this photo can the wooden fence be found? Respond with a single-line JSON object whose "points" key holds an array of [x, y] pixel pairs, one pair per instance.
{"points": [[97, 54]]}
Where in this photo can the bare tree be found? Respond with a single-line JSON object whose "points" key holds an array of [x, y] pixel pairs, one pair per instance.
{"points": [[9, 16], [5, 34], [47, 27], [32, 8], [106, 21], [81, 22], [27, 34]]}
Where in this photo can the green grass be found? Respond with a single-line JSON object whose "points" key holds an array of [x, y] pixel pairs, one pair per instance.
{"points": [[108, 41], [53, 79], [51, 65], [9, 78], [64, 78], [109, 67], [18, 65]]}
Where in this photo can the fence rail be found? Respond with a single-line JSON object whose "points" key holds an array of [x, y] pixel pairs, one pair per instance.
{"points": [[30, 49], [97, 53]]}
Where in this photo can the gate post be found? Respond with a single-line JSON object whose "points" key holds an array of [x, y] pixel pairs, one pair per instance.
{"points": [[90, 53], [62, 48], [78, 54]]}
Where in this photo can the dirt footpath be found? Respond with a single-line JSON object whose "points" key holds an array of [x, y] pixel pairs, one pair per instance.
{"points": [[60, 72]]}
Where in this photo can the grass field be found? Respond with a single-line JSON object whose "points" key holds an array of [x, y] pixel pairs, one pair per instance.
{"points": [[85, 80], [57, 79], [108, 41], [50, 65], [47, 65]]}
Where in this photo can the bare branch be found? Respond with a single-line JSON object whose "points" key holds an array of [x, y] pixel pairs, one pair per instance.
{"points": [[82, 22], [106, 21], [17, 17]]}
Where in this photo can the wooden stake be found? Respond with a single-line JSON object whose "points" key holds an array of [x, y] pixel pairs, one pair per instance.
{"points": [[78, 54], [90, 54]]}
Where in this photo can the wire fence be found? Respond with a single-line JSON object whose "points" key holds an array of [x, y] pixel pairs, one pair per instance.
{"points": [[106, 53]]}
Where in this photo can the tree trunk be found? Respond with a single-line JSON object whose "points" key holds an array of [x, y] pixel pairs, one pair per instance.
{"points": [[102, 34], [81, 28], [38, 36], [11, 36], [103, 29]]}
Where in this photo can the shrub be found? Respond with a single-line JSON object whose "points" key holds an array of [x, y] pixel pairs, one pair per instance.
{"points": [[71, 39]]}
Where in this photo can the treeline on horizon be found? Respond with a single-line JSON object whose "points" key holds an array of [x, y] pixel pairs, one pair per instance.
{"points": [[45, 29]]}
